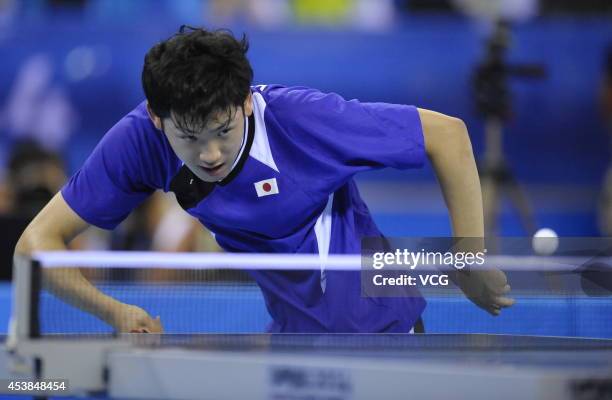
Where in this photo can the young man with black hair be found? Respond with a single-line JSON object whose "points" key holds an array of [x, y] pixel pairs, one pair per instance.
{"points": [[267, 169]]}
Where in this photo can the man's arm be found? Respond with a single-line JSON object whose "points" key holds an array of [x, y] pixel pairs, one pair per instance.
{"points": [[449, 149], [55, 226]]}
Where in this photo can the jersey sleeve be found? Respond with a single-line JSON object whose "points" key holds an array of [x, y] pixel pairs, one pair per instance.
{"points": [[124, 169], [348, 136]]}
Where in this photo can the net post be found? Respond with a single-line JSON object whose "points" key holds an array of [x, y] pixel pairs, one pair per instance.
{"points": [[24, 324]]}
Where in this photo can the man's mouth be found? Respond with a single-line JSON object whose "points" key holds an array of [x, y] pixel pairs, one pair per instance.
{"points": [[214, 171]]}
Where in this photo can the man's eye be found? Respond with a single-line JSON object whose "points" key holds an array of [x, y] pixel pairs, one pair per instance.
{"points": [[190, 138], [223, 132]]}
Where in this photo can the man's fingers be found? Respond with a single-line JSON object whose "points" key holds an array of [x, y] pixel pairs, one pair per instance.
{"points": [[495, 311], [500, 290], [496, 304], [503, 301]]}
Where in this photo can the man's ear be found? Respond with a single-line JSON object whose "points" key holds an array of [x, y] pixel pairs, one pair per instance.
{"points": [[154, 118], [248, 105]]}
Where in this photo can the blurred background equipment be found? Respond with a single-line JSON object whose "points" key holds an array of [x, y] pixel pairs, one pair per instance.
{"points": [[493, 100], [495, 10], [605, 201]]}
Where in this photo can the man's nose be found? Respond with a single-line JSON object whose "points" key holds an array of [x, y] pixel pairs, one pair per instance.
{"points": [[210, 154]]}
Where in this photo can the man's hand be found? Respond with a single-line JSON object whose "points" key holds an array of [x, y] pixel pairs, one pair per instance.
{"points": [[486, 288], [133, 319]]}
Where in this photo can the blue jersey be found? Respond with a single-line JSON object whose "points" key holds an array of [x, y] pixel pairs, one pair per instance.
{"points": [[290, 191]]}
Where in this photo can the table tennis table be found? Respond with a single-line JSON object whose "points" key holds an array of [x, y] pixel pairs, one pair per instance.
{"points": [[317, 367]]}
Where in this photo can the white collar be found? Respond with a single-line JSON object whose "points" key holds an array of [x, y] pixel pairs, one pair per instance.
{"points": [[243, 146]]}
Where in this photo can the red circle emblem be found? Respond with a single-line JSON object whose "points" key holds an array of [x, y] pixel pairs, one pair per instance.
{"points": [[266, 187]]}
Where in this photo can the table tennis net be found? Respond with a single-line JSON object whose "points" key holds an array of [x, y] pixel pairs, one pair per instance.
{"points": [[217, 293]]}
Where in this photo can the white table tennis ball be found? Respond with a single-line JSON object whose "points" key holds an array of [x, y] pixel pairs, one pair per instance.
{"points": [[545, 242]]}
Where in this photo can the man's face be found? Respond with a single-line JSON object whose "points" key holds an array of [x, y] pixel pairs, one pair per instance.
{"points": [[211, 152]]}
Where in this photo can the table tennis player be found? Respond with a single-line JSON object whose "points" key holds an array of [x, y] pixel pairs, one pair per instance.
{"points": [[267, 169]]}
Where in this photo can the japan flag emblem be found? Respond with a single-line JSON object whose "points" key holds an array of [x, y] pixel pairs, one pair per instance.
{"points": [[266, 187]]}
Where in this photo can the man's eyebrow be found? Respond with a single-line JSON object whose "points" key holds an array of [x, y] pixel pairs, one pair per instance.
{"points": [[182, 132], [222, 125]]}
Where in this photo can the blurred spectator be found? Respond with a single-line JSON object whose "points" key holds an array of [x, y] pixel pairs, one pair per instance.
{"points": [[34, 176], [11, 228], [37, 107], [160, 224]]}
